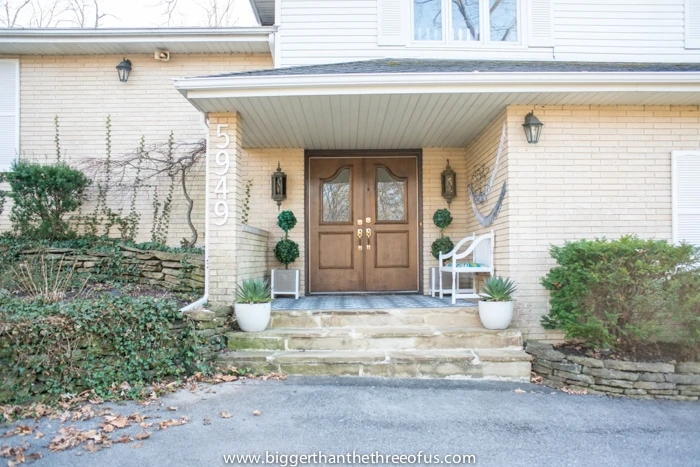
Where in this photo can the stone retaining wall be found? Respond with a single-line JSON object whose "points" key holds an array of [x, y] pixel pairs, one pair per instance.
{"points": [[679, 381], [172, 271]]}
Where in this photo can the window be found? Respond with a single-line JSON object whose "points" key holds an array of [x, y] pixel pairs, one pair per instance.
{"points": [[686, 196], [9, 113], [466, 21]]}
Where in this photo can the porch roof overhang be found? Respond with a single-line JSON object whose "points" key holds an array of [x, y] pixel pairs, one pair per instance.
{"points": [[78, 41], [393, 109]]}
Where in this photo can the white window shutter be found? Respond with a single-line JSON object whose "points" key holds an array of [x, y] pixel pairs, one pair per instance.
{"points": [[9, 113], [686, 196], [692, 24], [541, 23], [391, 22]]}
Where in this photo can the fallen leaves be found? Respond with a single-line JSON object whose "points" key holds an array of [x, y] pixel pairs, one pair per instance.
{"points": [[14, 452], [573, 391], [225, 414], [20, 430], [256, 413], [520, 391], [173, 422]]}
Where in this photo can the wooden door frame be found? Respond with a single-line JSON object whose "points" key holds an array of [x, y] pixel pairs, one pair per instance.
{"points": [[368, 153]]}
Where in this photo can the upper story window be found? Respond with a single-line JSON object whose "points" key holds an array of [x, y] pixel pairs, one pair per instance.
{"points": [[466, 21]]}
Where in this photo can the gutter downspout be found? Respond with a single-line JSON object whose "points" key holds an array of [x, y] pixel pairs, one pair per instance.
{"points": [[205, 298]]}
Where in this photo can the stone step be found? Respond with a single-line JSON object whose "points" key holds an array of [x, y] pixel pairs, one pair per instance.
{"points": [[445, 316], [374, 338], [489, 363]]}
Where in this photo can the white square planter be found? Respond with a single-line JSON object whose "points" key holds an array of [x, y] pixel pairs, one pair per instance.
{"points": [[285, 282]]}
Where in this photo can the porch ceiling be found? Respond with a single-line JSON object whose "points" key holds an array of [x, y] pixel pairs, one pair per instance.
{"points": [[395, 121], [360, 110]]}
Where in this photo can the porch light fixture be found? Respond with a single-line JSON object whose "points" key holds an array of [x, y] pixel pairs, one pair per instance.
{"points": [[124, 68], [279, 186], [533, 128], [448, 182]]}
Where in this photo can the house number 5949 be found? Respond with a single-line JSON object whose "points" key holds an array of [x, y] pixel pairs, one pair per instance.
{"points": [[223, 160]]}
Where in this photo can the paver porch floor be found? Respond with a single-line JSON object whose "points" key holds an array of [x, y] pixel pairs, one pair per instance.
{"points": [[366, 302]]}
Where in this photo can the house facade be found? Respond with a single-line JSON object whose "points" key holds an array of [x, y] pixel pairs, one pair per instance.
{"points": [[363, 103]]}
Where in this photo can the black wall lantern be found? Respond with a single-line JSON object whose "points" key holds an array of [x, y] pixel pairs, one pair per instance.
{"points": [[448, 182], [533, 128], [279, 186], [124, 68]]}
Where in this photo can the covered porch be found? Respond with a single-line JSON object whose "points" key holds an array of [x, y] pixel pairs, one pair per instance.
{"points": [[444, 110]]}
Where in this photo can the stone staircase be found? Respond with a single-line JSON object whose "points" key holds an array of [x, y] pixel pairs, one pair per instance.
{"points": [[409, 342]]}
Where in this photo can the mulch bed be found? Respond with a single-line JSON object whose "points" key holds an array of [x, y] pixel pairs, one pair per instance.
{"points": [[654, 352]]}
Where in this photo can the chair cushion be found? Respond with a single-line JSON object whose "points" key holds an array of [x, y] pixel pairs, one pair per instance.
{"points": [[470, 265]]}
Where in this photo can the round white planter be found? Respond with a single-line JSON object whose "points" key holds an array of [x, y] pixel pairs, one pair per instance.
{"points": [[252, 317], [495, 315]]}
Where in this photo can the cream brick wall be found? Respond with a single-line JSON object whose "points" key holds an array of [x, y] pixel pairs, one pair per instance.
{"points": [[251, 254], [598, 171], [83, 90], [257, 166], [224, 233], [434, 162], [481, 153]]}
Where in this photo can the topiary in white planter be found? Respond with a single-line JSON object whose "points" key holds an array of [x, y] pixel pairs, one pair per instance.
{"points": [[496, 304], [252, 307]]}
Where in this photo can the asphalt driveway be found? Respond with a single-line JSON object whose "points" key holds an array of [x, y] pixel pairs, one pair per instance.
{"points": [[500, 423]]}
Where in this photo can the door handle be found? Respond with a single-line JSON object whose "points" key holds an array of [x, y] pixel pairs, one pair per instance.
{"points": [[369, 234], [359, 239]]}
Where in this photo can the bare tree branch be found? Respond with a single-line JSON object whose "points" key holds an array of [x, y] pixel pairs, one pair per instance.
{"points": [[154, 163], [12, 13], [219, 12]]}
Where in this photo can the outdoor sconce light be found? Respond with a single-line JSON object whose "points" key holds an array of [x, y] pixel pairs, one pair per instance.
{"points": [[533, 128], [279, 186], [124, 68], [448, 182]]}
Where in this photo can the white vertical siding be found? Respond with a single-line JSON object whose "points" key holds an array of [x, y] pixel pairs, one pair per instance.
{"points": [[622, 30]]}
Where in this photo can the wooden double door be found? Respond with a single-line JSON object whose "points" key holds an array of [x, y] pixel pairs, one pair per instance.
{"points": [[363, 224]]}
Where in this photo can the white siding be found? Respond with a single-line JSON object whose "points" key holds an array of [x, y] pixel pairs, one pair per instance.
{"points": [[621, 30], [313, 32], [9, 113]]}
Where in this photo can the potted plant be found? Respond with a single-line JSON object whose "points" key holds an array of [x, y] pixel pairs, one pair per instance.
{"points": [[286, 281], [442, 219], [252, 307], [496, 304]]}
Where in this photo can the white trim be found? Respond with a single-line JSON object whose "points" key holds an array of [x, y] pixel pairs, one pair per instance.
{"points": [[16, 113], [408, 83], [30, 41], [50, 34], [674, 188]]}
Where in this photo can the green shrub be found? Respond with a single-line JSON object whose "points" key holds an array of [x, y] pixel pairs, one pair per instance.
{"points": [[286, 251], [442, 219], [621, 293], [441, 245], [42, 196], [51, 349], [286, 220]]}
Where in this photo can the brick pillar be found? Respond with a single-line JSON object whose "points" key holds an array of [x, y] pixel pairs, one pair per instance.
{"points": [[224, 189]]}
